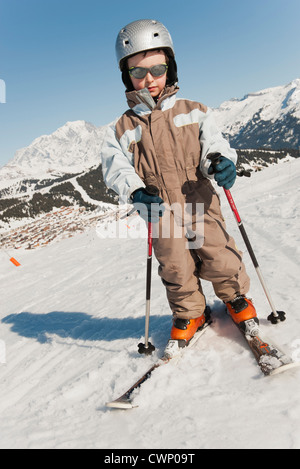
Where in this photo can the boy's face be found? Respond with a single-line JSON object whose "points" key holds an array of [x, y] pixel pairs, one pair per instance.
{"points": [[155, 85]]}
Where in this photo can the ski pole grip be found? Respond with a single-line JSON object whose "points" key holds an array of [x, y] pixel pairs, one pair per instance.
{"points": [[215, 159], [152, 190]]}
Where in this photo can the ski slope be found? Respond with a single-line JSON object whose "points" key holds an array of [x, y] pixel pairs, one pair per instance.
{"points": [[72, 315]]}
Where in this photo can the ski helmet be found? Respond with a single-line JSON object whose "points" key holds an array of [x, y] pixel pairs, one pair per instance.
{"points": [[143, 35]]}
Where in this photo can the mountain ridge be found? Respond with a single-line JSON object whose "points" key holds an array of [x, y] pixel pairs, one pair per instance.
{"points": [[74, 147], [269, 118]]}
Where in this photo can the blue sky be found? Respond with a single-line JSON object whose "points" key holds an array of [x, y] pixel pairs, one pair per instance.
{"points": [[58, 62]]}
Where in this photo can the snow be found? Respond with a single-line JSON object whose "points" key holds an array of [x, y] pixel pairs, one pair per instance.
{"points": [[272, 104], [72, 148], [73, 313]]}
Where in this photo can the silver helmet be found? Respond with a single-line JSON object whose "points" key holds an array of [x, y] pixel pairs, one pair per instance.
{"points": [[142, 35]]}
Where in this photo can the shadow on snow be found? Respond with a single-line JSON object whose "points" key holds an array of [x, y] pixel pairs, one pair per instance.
{"points": [[81, 326]]}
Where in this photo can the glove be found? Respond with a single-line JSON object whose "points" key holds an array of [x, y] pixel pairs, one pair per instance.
{"points": [[149, 206], [225, 172]]}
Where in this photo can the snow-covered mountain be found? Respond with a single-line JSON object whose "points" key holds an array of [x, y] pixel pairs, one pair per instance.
{"points": [[25, 200], [268, 118], [72, 148]]}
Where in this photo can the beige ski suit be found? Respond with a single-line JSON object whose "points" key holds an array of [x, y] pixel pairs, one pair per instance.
{"points": [[166, 144]]}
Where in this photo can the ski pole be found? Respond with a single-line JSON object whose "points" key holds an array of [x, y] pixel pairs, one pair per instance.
{"points": [[148, 348], [275, 316]]}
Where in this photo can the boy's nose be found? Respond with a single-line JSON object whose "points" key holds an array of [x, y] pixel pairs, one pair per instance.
{"points": [[149, 77]]}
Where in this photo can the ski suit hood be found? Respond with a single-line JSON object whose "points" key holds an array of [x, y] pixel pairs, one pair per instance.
{"points": [[141, 101]]}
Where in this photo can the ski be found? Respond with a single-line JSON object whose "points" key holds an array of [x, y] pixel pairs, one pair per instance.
{"points": [[125, 401], [270, 357]]}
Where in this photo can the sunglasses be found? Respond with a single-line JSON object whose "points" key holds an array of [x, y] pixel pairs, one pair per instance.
{"points": [[141, 72]]}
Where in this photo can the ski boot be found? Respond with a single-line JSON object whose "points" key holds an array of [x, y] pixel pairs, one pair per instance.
{"points": [[243, 313], [183, 331]]}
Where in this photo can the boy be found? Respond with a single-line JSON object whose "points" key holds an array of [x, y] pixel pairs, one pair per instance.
{"points": [[165, 142]]}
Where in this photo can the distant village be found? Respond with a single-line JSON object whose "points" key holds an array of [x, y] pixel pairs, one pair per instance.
{"points": [[62, 223]]}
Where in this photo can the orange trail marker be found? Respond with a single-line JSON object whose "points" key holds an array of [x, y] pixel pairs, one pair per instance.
{"points": [[14, 261]]}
